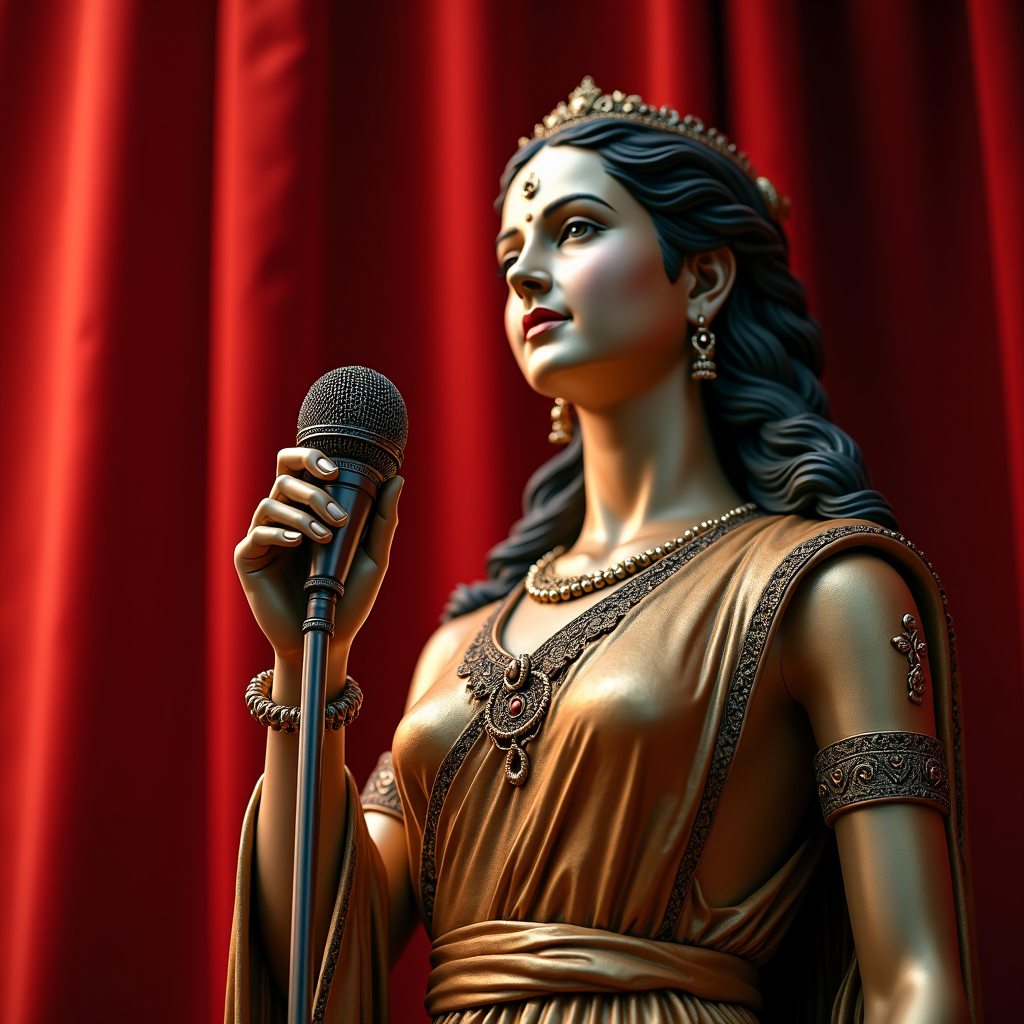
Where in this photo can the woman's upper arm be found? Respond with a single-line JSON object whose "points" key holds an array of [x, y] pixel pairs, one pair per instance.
{"points": [[839, 661], [386, 830]]}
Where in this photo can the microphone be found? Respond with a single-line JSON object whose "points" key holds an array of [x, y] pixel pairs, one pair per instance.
{"points": [[357, 418]]}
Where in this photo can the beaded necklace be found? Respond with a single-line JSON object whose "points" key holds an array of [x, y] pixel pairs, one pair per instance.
{"points": [[548, 588]]}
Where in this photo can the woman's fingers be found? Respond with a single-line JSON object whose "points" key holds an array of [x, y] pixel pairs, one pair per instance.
{"points": [[292, 489], [384, 522], [294, 461], [277, 523], [270, 512], [261, 538]]}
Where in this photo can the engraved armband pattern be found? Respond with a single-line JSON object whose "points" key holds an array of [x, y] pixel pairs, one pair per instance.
{"points": [[881, 766], [381, 790]]}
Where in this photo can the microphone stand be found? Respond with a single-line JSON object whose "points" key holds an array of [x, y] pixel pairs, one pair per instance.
{"points": [[356, 492]]}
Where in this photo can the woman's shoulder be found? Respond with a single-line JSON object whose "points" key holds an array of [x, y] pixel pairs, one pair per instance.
{"points": [[841, 649], [788, 546], [854, 582], [446, 643], [786, 532], [756, 565], [836, 566]]}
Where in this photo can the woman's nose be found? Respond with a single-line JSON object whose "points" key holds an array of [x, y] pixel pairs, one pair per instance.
{"points": [[528, 281]]}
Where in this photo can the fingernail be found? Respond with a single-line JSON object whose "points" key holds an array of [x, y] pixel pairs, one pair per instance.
{"points": [[325, 465], [292, 535], [320, 531], [336, 512]]}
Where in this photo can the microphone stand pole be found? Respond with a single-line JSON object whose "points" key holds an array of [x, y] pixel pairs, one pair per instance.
{"points": [[330, 564]]}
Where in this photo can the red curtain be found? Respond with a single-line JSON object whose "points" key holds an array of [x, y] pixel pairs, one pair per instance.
{"points": [[204, 206]]}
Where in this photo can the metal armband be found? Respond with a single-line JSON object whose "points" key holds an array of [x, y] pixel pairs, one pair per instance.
{"points": [[878, 767], [381, 790]]}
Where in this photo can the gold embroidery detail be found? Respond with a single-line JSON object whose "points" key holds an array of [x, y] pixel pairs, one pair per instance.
{"points": [[381, 790], [910, 644]]}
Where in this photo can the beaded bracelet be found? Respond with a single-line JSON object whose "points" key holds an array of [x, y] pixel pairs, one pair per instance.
{"points": [[342, 711]]}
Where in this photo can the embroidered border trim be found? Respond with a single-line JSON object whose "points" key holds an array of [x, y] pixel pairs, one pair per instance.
{"points": [[739, 692], [484, 665], [381, 790], [337, 934], [882, 766], [442, 783]]}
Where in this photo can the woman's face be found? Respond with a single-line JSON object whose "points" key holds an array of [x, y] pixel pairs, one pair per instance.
{"points": [[591, 314]]}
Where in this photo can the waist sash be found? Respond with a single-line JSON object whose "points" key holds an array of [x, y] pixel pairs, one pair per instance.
{"points": [[503, 961]]}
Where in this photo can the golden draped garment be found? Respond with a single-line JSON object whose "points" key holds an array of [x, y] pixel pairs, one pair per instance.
{"points": [[574, 898]]}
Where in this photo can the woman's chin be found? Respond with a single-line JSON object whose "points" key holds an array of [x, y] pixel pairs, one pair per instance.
{"points": [[547, 364], [575, 371]]}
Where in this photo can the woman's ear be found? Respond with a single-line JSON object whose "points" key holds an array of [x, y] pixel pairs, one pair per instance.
{"points": [[714, 274]]}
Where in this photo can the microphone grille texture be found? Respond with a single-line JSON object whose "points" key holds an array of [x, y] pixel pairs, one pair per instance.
{"points": [[355, 413]]}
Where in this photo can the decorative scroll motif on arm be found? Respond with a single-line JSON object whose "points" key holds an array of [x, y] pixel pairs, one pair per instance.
{"points": [[381, 790], [910, 643], [740, 689], [881, 766]]}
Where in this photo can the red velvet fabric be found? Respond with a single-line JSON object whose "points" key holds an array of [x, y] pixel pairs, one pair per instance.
{"points": [[203, 207]]}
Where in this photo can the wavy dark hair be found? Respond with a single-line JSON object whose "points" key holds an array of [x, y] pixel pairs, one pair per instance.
{"points": [[768, 412]]}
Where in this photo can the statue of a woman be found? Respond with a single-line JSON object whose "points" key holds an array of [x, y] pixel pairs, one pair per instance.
{"points": [[703, 663]]}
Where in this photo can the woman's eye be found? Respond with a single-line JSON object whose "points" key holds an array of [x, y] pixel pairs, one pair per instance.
{"points": [[508, 263], [578, 229]]}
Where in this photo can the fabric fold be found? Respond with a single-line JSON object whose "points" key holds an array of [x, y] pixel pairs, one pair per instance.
{"points": [[504, 961], [353, 979]]}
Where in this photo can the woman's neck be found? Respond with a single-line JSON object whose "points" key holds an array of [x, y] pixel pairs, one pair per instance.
{"points": [[649, 462]]}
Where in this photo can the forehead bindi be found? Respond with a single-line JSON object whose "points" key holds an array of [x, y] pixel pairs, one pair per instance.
{"points": [[554, 172]]}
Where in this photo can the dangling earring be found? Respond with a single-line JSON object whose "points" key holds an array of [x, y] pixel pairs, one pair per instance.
{"points": [[561, 423], [703, 342]]}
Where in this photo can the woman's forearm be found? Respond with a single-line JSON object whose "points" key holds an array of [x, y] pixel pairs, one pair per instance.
{"points": [[901, 908], [275, 825], [924, 995], [273, 556]]}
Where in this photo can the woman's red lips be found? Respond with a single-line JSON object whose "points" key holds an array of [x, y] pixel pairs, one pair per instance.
{"points": [[541, 319]]}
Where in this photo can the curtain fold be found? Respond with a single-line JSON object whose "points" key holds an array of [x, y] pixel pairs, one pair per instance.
{"points": [[204, 206], [997, 50], [266, 345], [687, 83], [104, 258], [450, 247], [766, 113]]}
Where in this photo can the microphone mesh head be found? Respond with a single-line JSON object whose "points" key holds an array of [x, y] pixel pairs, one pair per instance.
{"points": [[364, 401]]}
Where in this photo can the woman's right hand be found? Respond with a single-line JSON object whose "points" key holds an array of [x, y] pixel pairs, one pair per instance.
{"points": [[273, 564]]}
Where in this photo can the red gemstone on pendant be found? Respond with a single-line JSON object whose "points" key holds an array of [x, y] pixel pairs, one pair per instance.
{"points": [[515, 706]]}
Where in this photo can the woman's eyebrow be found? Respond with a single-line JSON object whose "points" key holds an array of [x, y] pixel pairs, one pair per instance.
{"points": [[552, 206]]}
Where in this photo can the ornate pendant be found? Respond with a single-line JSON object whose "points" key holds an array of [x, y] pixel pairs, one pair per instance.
{"points": [[515, 712]]}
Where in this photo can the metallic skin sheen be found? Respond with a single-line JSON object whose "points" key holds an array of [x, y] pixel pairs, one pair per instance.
{"points": [[671, 736], [656, 852]]}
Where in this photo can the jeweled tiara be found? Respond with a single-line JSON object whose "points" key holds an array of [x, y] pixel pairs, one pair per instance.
{"points": [[588, 103]]}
